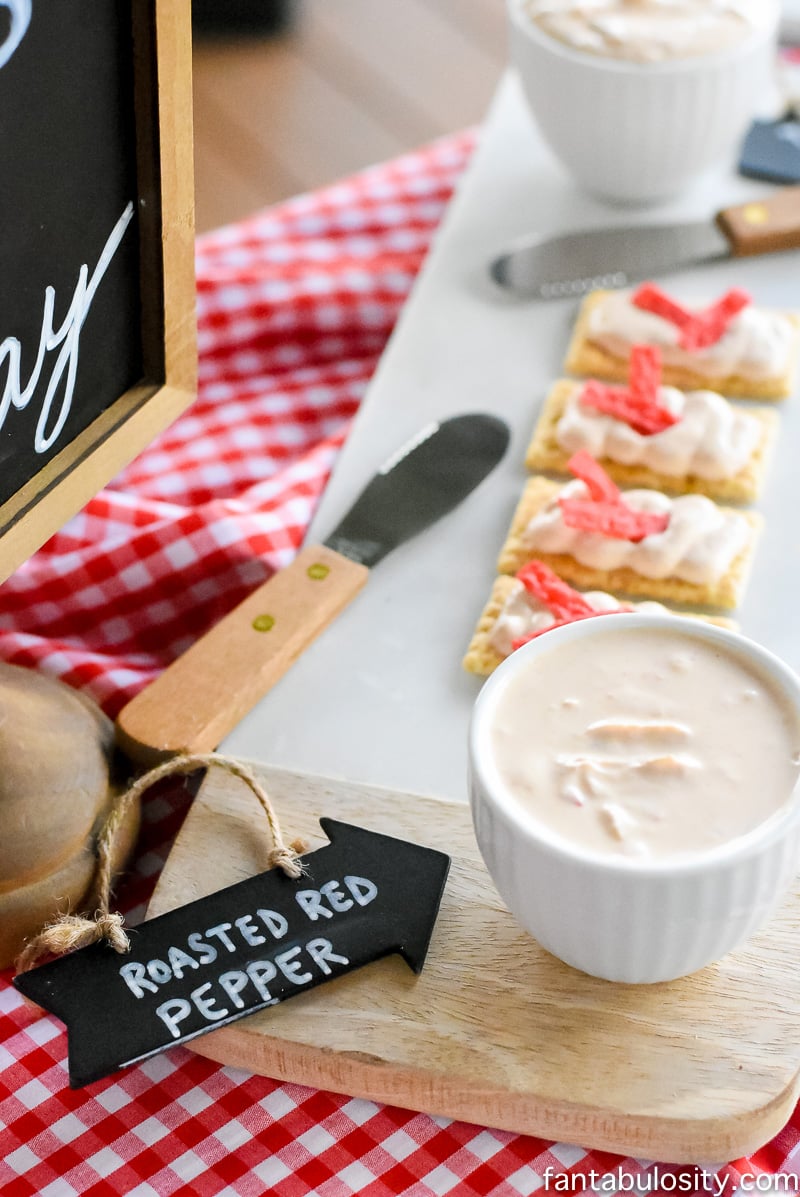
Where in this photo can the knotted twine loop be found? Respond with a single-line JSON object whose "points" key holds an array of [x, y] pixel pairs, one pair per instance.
{"points": [[70, 931]]}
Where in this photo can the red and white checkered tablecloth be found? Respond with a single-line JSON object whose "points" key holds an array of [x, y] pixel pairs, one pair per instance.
{"points": [[295, 306]]}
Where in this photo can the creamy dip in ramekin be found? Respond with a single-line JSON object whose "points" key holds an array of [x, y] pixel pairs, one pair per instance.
{"points": [[649, 30], [655, 745], [660, 882], [634, 128]]}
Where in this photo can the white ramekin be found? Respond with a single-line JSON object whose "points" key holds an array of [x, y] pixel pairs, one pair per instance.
{"points": [[640, 132], [627, 919]]}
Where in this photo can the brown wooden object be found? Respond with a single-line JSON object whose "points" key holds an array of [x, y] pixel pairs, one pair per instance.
{"points": [[193, 705], [763, 226], [55, 753], [162, 101], [494, 1030]]}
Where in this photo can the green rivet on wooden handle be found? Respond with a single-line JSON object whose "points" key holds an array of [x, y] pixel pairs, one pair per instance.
{"points": [[318, 571], [264, 623]]}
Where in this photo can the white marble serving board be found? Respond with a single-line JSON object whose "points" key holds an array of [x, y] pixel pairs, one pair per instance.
{"points": [[381, 697]]}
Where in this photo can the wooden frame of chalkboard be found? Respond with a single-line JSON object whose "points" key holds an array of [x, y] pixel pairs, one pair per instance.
{"points": [[97, 297]]}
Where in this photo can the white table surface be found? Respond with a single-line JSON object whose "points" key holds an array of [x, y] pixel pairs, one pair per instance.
{"points": [[381, 697]]}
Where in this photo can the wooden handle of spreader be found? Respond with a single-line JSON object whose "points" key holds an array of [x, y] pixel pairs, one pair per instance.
{"points": [[201, 697], [763, 226]]}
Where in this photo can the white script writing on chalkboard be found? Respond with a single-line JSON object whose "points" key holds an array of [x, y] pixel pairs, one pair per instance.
{"points": [[67, 337], [297, 964], [20, 15], [258, 974]]}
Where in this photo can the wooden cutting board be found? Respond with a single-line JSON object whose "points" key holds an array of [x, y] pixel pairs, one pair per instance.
{"points": [[496, 1031]]}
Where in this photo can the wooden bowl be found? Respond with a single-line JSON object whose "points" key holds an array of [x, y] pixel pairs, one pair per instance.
{"points": [[55, 791]]}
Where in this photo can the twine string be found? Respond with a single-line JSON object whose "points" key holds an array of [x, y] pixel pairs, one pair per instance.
{"points": [[71, 931]]}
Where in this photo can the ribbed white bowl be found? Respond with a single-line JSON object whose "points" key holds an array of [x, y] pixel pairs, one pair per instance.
{"points": [[639, 132], [623, 919]]}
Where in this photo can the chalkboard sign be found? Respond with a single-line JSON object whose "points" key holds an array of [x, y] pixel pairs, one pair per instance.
{"points": [[241, 949], [97, 347]]}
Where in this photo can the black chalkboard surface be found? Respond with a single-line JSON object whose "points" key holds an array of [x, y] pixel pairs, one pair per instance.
{"points": [[244, 948], [95, 136]]}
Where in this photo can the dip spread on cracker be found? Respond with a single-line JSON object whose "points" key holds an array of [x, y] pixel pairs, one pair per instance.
{"points": [[687, 537], [753, 344]]}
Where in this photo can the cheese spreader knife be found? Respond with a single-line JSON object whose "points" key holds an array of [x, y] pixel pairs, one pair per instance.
{"points": [[201, 697], [574, 263]]}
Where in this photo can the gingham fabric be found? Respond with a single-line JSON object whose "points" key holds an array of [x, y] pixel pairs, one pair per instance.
{"points": [[295, 306]]}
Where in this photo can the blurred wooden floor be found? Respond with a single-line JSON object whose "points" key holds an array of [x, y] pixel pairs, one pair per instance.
{"points": [[352, 83]]}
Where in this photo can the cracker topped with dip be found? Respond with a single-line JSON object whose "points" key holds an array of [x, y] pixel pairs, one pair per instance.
{"points": [[686, 549], [647, 434], [727, 345], [634, 787], [663, 538], [535, 601]]}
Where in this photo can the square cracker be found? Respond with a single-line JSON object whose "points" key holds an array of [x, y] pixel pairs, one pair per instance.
{"points": [[482, 659], [586, 357], [545, 453], [726, 592]]}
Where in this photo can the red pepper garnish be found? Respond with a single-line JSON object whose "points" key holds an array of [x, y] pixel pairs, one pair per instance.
{"points": [[558, 596], [563, 602], [613, 519], [605, 511], [594, 477], [637, 404], [644, 373], [697, 330]]}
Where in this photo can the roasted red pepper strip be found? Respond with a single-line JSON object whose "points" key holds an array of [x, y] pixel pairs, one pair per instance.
{"points": [[644, 374], [637, 404], [560, 598], [713, 323], [646, 419], [605, 511], [594, 477], [612, 519], [651, 298], [698, 330]]}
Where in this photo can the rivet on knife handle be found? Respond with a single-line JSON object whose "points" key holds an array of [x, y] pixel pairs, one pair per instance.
{"points": [[201, 697], [763, 226]]}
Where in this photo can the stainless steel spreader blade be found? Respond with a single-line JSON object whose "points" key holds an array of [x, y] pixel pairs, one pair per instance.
{"points": [[423, 481], [575, 263]]}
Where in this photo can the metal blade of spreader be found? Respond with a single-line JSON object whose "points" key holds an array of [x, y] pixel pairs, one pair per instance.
{"points": [[421, 482], [575, 263]]}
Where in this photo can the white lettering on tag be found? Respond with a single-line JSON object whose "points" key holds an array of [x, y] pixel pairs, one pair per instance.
{"points": [[206, 1005], [179, 960], [233, 983], [133, 974], [275, 923], [362, 889], [197, 944], [291, 968], [257, 975], [260, 973], [313, 901], [172, 1013], [322, 953]]}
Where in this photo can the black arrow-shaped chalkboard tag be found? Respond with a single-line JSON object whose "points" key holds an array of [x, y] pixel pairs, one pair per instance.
{"points": [[252, 945]]}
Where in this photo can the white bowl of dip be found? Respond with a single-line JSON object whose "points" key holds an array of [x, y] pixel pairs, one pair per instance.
{"points": [[641, 131], [638, 912]]}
